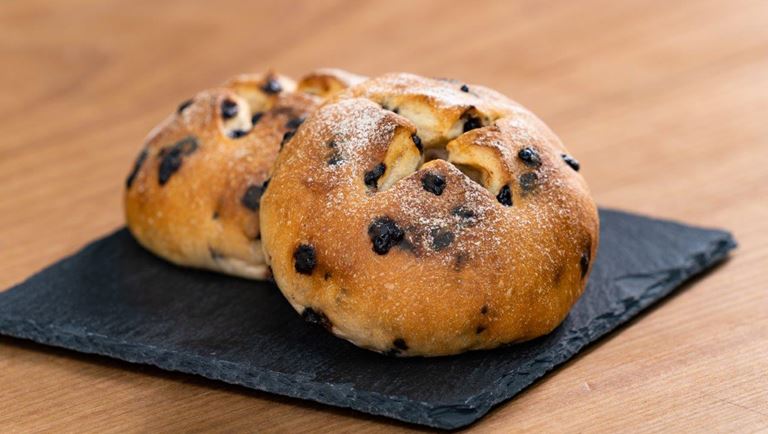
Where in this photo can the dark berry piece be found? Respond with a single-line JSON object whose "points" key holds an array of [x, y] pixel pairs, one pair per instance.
{"points": [[406, 245], [392, 352], [393, 110], [136, 166], [400, 344], [272, 86], [294, 123], [417, 142], [480, 329], [441, 239], [433, 183], [256, 117], [530, 157], [528, 181], [172, 157], [464, 213], [170, 163], [464, 88], [372, 176], [460, 260], [505, 196], [384, 234], [215, 254], [252, 197], [334, 159], [574, 163], [236, 134], [471, 123], [484, 309], [304, 259], [229, 109], [286, 137], [183, 106], [584, 263], [187, 145], [316, 317]]}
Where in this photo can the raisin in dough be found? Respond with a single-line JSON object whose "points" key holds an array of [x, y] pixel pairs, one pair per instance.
{"points": [[421, 217], [194, 192]]}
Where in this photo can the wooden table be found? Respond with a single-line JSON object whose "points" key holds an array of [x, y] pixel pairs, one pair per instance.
{"points": [[665, 104]]}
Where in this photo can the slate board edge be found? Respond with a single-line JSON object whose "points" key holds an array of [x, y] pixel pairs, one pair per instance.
{"points": [[444, 416], [717, 253]]}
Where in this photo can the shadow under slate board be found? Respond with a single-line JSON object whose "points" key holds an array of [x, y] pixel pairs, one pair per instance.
{"points": [[116, 299]]}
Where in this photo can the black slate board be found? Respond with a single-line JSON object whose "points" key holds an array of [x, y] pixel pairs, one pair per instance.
{"points": [[116, 299]]}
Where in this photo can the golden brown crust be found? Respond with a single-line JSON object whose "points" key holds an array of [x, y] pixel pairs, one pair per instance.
{"points": [[326, 82], [423, 256], [194, 192]]}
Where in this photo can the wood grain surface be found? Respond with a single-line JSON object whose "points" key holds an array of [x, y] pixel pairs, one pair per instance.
{"points": [[665, 104]]}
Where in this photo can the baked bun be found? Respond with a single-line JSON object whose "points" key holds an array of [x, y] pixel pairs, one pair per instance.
{"points": [[193, 194], [415, 216]]}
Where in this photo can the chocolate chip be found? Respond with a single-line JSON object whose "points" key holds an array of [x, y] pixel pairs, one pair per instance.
{"points": [[172, 157], [479, 329], [484, 309], [272, 86], [505, 196], [574, 163], [528, 181], [304, 259], [384, 234], [229, 109], [417, 141], [331, 144], [256, 117], [372, 176], [316, 317], [327, 275], [441, 239], [471, 123], [530, 157], [215, 215], [183, 106], [252, 197], [286, 137], [464, 88], [433, 183], [236, 134], [136, 166], [584, 263], [400, 344], [295, 123]]}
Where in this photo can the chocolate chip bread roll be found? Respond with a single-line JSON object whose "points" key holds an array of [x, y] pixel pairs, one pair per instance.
{"points": [[421, 217], [193, 194]]}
